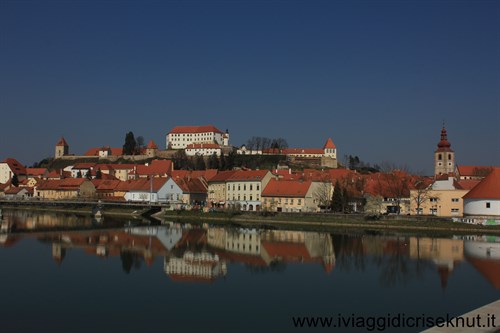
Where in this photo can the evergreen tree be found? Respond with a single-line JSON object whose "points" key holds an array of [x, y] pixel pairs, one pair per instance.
{"points": [[129, 148], [222, 162], [200, 163], [213, 161], [14, 181], [337, 198]]}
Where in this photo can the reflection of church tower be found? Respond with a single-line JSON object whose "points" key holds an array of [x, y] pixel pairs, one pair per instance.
{"points": [[62, 148], [444, 157], [58, 253]]}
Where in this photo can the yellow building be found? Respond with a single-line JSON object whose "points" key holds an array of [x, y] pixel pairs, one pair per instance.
{"points": [[291, 196]]}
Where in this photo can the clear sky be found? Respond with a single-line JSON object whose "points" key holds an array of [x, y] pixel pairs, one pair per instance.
{"points": [[378, 77]]}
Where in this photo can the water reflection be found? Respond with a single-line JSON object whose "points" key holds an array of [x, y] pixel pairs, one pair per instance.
{"points": [[194, 253]]}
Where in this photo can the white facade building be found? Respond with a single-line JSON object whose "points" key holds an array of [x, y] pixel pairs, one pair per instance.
{"points": [[182, 136]]}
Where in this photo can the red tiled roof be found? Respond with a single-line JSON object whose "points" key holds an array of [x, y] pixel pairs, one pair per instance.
{"points": [[207, 174], [472, 170], [105, 185], [222, 176], [15, 190], [15, 166], [152, 145], [294, 151], [156, 168], [195, 129], [82, 166], [62, 142], [144, 184], [69, 184], [124, 166], [35, 172], [467, 184], [329, 144], [203, 146], [488, 188], [242, 175], [191, 185], [286, 188]]}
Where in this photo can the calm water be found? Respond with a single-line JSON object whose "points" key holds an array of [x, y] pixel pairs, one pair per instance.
{"points": [[65, 273]]}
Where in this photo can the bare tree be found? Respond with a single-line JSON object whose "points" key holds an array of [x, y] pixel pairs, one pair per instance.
{"points": [[323, 194], [421, 194]]}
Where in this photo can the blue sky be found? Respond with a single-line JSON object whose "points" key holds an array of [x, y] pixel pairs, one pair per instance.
{"points": [[378, 77]]}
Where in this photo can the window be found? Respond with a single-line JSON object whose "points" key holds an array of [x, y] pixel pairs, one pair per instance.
{"points": [[244, 187], [299, 201], [488, 205], [440, 157], [257, 187], [433, 199], [454, 210], [250, 187], [454, 200], [449, 156]]}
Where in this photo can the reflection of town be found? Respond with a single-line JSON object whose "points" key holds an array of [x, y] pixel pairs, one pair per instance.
{"points": [[202, 253]]}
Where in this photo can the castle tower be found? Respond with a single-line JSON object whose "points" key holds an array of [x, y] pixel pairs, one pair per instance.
{"points": [[151, 149], [62, 148], [330, 149], [225, 139], [444, 156]]}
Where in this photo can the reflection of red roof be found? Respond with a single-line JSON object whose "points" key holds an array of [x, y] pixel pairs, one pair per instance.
{"points": [[488, 268], [190, 278], [195, 129], [288, 251], [488, 188], [286, 188]]}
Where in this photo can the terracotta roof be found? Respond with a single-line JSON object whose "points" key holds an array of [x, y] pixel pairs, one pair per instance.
{"points": [[473, 170], [105, 185], [206, 174], [62, 142], [152, 145], [15, 190], [36, 172], [82, 166], [286, 188], [156, 168], [467, 184], [329, 144], [243, 175], [191, 185], [15, 166], [68, 184], [124, 166], [203, 146], [222, 176], [195, 129], [488, 188], [144, 184], [294, 151]]}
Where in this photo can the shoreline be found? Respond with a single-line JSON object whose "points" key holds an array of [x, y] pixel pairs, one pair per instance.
{"points": [[312, 222]]}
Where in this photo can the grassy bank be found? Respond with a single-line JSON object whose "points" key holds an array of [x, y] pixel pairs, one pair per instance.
{"points": [[108, 211], [335, 222]]}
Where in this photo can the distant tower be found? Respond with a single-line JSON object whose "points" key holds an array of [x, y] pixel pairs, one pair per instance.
{"points": [[151, 149], [329, 149], [225, 139], [62, 148], [444, 156]]}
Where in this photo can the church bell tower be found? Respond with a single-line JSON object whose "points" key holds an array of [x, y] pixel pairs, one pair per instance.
{"points": [[444, 156]]}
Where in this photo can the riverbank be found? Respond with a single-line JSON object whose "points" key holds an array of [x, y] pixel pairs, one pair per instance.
{"points": [[333, 222], [77, 209]]}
